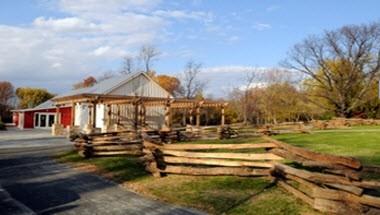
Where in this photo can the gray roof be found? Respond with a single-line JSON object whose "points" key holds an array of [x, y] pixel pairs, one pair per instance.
{"points": [[102, 87], [45, 105]]}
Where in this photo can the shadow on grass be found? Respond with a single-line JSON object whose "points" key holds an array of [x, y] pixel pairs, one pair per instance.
{"points": [[122, 168]]}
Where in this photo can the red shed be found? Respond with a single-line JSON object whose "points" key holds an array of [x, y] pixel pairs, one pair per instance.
{"points": [[42, 116]]}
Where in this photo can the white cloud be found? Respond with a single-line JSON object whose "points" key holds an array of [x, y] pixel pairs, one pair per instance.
{"points": [[66, 24], [262, 26], [180, 14], [91, 37]]}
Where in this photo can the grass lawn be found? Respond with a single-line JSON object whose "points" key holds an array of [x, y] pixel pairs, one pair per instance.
{"points": [[362, 142], [234, 195]]}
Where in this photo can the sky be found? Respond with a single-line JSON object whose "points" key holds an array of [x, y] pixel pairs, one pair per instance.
{"points": [[54, 43]]}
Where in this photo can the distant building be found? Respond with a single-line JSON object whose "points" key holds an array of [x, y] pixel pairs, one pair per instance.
{"points": [[137, 84]]}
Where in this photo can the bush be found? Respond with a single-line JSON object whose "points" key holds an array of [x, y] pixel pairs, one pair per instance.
{"points": [[2, 126]]}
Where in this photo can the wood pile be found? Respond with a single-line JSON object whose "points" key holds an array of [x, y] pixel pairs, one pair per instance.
{"points": [[108, 144], [328, 183], [343, 123], [284, 128], [228, 133], [207, 160]]}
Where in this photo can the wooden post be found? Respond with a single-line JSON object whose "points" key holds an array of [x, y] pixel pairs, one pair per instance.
{"points": [[56, 128], [109, 112], [94, 114], [222, 119], [136, 115], [72, 114], [167, 124], [198, 115], [184, 117], [118, 115], [56, 119], [143, 115], [191, 116], [89, 107]]}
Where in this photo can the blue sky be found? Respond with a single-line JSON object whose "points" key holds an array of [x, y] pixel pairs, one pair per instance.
{"points": [[52, 44]]}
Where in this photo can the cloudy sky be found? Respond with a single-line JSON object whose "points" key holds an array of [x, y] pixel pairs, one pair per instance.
{"points": [[54, 43]]}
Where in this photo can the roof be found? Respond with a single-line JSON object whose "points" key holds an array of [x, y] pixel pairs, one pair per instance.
{"points": [[49, 104], [101, 88]]}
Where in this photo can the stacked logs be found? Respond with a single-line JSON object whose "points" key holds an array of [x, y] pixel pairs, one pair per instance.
{"points": [[343, 123], [282, 128], [108, 144], [228, 133], [199, 159], [328, 183]]}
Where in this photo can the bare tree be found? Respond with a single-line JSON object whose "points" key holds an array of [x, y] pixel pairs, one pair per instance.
{"points": [[148, 54], [106, 75], [7, 94], [128, 65], [342, 64], [251, 77], [191, 84]]}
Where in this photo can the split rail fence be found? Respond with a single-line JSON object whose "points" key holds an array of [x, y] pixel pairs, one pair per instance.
{"points": [[328, 183]]}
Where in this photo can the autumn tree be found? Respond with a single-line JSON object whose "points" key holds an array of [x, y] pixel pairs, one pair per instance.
{"points": [[87, 82], [342, 64], [191, 84], [7, 94], [169, 83], [31, 97]]}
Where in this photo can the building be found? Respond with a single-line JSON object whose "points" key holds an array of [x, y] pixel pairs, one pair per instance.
{"points": [[77, 114], [42, 116]]}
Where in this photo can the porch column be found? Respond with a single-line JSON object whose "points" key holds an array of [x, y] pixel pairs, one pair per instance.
{"points": [[88, 128], [57, 118], [57, 128]]}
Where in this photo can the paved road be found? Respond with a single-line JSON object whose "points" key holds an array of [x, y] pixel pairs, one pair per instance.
{"points": [[31, 177]]}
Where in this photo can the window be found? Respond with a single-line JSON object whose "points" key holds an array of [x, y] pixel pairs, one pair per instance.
{"points": [[51, 120], [43, 120]]}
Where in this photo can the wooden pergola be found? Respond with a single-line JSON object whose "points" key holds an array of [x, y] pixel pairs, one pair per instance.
{"points": [[140, 103]]}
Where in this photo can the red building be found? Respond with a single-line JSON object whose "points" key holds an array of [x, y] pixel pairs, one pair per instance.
{"points": [[42, 116]]}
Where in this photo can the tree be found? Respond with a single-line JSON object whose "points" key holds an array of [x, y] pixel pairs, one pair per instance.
{"points": [[342, 64], [31, 97], [148, 54], [251, 77], [128, 65], [169, 83], [7, 94], [87, 82], [191, 84]]}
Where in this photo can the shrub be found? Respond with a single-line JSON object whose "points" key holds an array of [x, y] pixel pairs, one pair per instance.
{"points": [[2, 126]]}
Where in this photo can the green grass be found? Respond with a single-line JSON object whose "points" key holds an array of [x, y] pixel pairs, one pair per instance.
{"points": [[362, 142], [273, 201], [215, 195]]}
